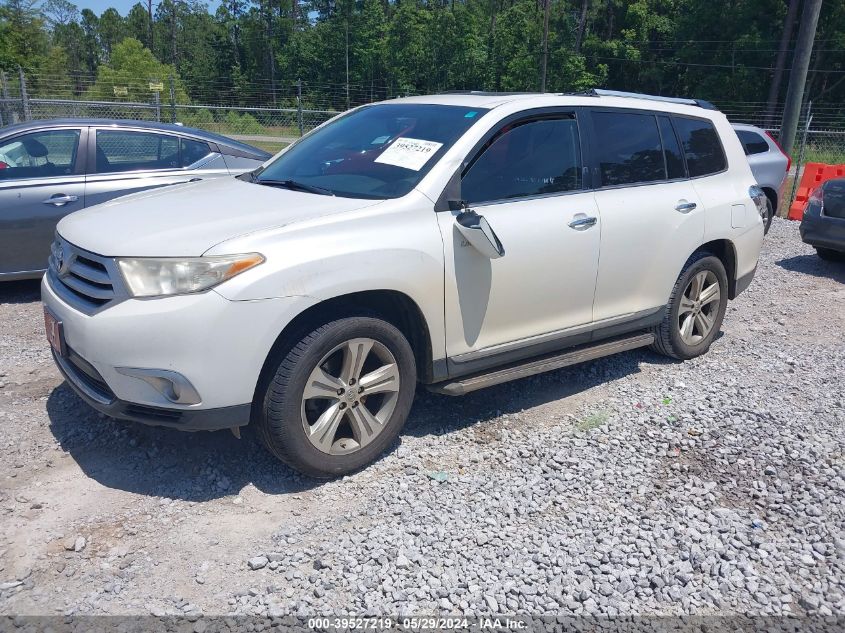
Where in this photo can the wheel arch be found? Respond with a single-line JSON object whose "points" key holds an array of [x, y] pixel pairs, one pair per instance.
{"points": [[394, 306], [772, 195], [725, 250]]}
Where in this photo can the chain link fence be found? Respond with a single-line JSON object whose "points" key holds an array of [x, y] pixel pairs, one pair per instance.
{"points": [[242, 115], [271, 114]]}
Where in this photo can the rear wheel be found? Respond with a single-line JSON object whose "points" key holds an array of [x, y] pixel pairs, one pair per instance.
{"points": [[830, 255], [339, 397], [770, 213], [695, 310]]}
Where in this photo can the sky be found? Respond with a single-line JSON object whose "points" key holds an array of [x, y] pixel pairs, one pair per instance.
{"points": [[123, 6]]}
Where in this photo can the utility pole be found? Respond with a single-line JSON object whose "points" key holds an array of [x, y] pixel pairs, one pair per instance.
{"points": [[798, 74], [777, 78], [546, 10]]}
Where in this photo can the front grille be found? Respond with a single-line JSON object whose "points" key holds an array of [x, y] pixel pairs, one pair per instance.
{"points": [[85, 280]]}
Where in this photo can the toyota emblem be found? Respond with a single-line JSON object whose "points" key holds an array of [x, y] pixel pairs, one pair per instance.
{"points": [[61, 261]]}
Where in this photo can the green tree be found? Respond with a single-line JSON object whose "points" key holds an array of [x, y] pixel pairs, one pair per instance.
{"points": [[23, 36], [133, 67], [111, 29]]}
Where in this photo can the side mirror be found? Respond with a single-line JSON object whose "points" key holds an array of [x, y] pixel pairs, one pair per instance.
{"points": [[479, 234]]}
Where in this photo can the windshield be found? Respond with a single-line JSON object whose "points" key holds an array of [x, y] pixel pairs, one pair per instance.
{"points": [[379, 151]]}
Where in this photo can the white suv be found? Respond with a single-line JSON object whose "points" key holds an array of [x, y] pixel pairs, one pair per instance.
{"points": [[459, 240]]}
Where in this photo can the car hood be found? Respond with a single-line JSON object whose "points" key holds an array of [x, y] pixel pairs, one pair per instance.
{"points": [[187, 220]]}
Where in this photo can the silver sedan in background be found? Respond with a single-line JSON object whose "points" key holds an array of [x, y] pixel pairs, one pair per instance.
{"points": [[49, 169], [768, 162]]}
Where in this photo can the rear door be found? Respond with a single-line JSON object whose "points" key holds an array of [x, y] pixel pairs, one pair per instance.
{"points": [[652, 216], [42, 179], [125, 161]]}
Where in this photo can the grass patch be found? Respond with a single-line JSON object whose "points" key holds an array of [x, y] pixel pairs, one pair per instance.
{"points": [[268, 146], [593, 421], [830, 155]]}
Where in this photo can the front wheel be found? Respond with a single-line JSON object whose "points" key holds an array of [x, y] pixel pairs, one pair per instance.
{"points": [[339, 397], [695, 310]]}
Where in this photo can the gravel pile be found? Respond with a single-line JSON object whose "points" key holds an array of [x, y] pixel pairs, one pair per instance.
{"points": [[629, 485]]}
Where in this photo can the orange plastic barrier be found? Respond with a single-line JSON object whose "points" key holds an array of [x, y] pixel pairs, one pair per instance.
{"points": [[814, 175]]}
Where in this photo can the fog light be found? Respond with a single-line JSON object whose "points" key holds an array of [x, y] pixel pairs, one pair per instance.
{"points": [[172, 385]]}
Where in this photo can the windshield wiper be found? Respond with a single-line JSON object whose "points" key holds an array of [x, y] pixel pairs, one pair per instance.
{"points": [[296, 185]]}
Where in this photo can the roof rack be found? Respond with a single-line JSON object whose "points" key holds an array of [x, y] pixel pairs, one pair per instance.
{"points": [[600, 92], [485, 93], [592, 92]]}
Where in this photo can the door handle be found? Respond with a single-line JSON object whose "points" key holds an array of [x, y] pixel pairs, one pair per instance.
{"points": [[685, 207], [60, 199], [582, 222]]}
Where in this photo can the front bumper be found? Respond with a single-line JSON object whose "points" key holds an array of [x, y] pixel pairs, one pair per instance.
{"points": [[218, 345], [103, 401], [823, 231]]}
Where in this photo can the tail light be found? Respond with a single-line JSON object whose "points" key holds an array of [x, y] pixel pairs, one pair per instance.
{"points": [[760, 201], [788, 157], [828, 199]]}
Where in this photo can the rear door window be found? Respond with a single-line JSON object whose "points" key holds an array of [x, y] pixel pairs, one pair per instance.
{"points": [[124, 150], [702, 147], [627, 147], [526, 158], [752, 142], [39, 155]]}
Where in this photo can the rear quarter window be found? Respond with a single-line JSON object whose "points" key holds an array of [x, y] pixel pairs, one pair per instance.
{"points": [[752, 142], [702, 147]]}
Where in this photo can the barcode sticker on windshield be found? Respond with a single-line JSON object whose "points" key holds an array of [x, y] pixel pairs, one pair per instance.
{"points": [[410, 153]]}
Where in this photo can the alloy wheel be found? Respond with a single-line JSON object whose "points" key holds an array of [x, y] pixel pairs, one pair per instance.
{"points": [[699, 307], [350, 396]]}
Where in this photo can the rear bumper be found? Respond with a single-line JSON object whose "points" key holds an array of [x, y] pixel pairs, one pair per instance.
{"points": [[823, 232], [89, 386]]}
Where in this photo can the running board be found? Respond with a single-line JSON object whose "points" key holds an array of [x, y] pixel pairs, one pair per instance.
{"points": [[531, 367]]}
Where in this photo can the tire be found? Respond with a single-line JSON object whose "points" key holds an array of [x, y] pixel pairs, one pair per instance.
{"points": [[770, 213], [342, 425], [668, 337], [830, 255]]}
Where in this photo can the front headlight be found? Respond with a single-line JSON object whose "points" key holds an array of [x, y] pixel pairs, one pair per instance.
{"points": [[158, 276]]}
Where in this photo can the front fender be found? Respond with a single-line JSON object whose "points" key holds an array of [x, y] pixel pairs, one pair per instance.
{"points": [[396, 248]]}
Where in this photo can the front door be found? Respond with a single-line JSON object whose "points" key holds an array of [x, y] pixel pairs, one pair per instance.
{"points": [[41, 181], [527, 182]]}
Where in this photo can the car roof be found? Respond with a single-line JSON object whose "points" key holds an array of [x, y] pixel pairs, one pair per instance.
{"points": [[490, 100], [258, 154]]}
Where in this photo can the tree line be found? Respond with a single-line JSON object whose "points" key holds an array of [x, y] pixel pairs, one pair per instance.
{"points": [[350, 51]]}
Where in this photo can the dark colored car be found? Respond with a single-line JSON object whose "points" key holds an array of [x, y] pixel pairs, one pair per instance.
{"points": [[49, 169], [823, 224]]}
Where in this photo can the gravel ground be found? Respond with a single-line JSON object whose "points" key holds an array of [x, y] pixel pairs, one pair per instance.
{"points": [[629, 485]]}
